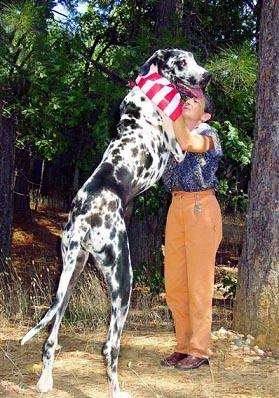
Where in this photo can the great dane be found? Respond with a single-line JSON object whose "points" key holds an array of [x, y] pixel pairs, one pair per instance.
{"points": [[132, 163]]}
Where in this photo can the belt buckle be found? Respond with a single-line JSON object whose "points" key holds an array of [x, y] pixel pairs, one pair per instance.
{"points": [[197, 207]]}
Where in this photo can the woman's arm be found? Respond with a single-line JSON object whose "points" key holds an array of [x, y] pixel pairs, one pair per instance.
{"points": [[191, 142]]}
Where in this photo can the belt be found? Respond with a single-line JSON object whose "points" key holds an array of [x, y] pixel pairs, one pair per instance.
{"points": [[194, 197], [194, 194]]}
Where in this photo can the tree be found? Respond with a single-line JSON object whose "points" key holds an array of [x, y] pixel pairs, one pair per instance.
{"points": [[257, 298], [22, 26], [169, 17], [7, 142]]}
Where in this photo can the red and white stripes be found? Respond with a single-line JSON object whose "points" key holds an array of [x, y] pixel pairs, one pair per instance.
{"points": [[160, 91]]}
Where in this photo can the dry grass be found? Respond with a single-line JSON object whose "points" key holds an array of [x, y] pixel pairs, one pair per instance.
{"points": [[20, 300], [79, 370], [26, 301], [29, 286], [89, 305]]}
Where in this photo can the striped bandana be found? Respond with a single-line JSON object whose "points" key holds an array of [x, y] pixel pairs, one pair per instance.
{"points": [[160, 91]]}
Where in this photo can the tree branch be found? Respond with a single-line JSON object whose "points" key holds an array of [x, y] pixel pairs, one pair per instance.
{"points": [[113, 75]]}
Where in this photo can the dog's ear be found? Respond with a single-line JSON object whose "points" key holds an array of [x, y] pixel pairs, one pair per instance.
{"points": [[145, 68], [153, 60]]}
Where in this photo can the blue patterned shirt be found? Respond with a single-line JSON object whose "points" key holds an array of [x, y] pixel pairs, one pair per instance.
{"points": [[197, 171]]}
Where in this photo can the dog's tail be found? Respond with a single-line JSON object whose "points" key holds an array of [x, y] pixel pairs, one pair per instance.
{"points": [[46, 319], [68, 270]]}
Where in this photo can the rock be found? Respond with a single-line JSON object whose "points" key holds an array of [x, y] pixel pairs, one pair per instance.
{"points": [[238, 340]]}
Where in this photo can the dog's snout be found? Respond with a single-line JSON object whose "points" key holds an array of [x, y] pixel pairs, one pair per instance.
{"points": [[206, 76]]}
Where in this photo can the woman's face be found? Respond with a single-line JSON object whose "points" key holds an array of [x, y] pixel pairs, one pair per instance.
{"points": [[193, 110]]}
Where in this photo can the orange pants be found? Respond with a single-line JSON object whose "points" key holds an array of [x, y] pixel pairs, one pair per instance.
{"points": [[193, 234]]}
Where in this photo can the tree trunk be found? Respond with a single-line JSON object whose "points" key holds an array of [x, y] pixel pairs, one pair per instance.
{"points": [[257, 298], [22, 186], [7, 160], [146, 236], [39, 192], [169, 17]]}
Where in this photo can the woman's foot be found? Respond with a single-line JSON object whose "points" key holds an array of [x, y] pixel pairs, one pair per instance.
{"points": [[191, 362], [173, 359]]}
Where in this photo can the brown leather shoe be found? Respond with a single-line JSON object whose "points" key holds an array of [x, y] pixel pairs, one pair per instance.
{"points": [[191, 362], [173, 359]]}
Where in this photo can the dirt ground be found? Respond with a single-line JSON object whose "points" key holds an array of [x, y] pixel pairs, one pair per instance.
{"points": [[236, 370]]}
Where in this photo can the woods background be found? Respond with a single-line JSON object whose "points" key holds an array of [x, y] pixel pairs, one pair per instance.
{"points": [[63, 74]]}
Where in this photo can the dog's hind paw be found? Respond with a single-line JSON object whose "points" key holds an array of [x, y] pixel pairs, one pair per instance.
{"points": [[43, 389], [44, 384]]}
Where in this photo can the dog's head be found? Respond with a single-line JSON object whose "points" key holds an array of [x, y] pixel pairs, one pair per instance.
{"points": [[180, 68]]}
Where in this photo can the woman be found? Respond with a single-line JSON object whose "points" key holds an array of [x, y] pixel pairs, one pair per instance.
{"points": [[193, 234]]}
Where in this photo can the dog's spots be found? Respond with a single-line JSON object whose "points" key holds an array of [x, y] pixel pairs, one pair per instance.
{"points": [[127, 123], [117, 155], [134, 110], [128, 140], [116, 330], [148, 161], [104, 179], [112, 206], [109, 255], [108, 221], [123, 176], [160, 163], [67, 226], [148, 175], [80, 207], [179, 65], [134, 152], [192, 81], [103, 202], [112, 233], [139, 171], [162, 150], [166, 136], [116, 152], [73, 245], [95, 220]]}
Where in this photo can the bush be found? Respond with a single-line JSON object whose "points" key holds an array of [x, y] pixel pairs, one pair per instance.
{"points": [[234, 168]]}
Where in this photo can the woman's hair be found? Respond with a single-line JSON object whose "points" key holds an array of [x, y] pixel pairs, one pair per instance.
{"points": [[209, 105]]}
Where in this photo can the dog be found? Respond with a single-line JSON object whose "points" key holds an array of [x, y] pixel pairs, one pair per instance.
{"points": [[132, 163]]}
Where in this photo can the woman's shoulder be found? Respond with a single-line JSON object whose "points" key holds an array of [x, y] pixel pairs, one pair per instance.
{"points": [[206, 129]]}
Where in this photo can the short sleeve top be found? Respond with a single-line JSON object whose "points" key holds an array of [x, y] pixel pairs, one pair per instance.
{"points": [[197, 171]]}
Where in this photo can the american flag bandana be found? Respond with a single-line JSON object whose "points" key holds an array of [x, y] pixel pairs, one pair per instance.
{"points": [[160, 91]]}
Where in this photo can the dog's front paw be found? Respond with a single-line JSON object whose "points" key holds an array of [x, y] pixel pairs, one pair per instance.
{"points": [[123, 394]]}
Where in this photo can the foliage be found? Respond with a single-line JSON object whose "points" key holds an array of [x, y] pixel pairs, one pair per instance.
{"points": [[151, 201], [64, 101], [150, 275], [233, 85], [233, 88], [234, 168], [229, 284], [222, 24]]}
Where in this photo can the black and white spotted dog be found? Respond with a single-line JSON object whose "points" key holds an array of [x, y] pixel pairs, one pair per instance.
{"points": [[132, 163]]}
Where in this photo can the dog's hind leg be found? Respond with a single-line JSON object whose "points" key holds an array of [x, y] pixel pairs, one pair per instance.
{"points": [[45, 382], [119, 279]]}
